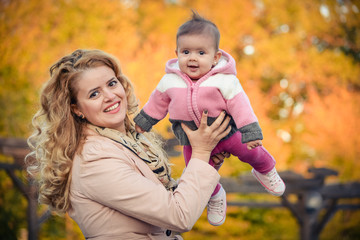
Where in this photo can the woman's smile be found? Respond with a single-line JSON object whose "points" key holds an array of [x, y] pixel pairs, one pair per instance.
{"points": [[112, 108]]}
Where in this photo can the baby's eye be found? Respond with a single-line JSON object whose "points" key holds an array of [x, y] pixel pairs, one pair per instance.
{"points": [[94, 94], [186, 52], [201, 52]]}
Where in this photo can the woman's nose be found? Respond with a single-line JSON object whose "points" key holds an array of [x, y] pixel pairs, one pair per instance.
{"points": [[109, 95]]}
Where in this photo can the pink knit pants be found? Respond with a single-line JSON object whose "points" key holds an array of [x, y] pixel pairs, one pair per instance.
{"points": [[259, 158]]}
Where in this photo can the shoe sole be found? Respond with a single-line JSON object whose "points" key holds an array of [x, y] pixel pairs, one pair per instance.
{"points": [[268, 190]]}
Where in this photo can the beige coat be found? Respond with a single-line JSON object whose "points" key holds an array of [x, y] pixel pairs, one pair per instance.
{"points": [[115, 195]]}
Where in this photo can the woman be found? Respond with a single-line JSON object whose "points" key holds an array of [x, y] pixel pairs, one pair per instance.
{"points": [[90, 162]]}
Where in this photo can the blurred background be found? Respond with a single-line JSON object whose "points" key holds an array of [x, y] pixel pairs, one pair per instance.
{"points": [[298, 61]]}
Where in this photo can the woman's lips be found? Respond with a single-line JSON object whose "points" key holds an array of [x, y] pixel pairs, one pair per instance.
{"points": [[113, 107]]}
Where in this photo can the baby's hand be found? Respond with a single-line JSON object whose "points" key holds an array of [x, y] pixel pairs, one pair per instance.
{"points": [[218, 159], [253, 144], [138, 129]]}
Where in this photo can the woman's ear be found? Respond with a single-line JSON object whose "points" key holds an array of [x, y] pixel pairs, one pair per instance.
{"points": [[75, 109]]}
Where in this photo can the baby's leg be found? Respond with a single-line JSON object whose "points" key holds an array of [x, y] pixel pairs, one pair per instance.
{"points": [[216, 207], [187, 151], [262, 162], [259, 158]]}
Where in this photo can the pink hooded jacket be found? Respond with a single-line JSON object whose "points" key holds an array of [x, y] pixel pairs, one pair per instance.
{"points": [[185, 101]]}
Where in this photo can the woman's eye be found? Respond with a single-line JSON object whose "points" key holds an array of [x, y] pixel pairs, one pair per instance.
{"points": [[113, 83], [94, 94]]}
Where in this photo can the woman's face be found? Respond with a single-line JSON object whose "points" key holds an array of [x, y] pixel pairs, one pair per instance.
{"points": [[101, 98]]}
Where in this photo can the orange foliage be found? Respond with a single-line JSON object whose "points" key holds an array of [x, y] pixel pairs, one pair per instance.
{"points": [[286, 39], [332, 121]]}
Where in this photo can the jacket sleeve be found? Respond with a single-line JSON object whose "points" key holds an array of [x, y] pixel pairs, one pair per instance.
{"points": [[113, 181], [155, 109], [239, 107]]}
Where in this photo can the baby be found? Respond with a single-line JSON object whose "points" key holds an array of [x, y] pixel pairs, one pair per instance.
{"points": [[203, 78]]}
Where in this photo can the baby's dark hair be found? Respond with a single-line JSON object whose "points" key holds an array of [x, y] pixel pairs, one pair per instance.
{"points": [[199, 25]]}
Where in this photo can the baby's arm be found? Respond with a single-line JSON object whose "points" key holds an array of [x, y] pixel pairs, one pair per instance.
{"points": [[239, 107], [154, 110]]}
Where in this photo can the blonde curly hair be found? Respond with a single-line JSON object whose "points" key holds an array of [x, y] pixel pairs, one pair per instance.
{"points": [[58, 131]]}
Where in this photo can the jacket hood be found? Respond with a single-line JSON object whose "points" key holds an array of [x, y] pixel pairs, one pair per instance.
{"points": [[226, 65]]}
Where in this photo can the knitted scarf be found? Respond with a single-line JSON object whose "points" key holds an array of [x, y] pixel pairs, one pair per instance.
{"points": [[142, 147]]}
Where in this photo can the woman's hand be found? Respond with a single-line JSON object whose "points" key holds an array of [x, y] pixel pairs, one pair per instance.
{"points": [[205, 138]]}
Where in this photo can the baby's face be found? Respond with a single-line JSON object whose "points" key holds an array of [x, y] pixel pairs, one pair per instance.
{"points": [[196, 54]]}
